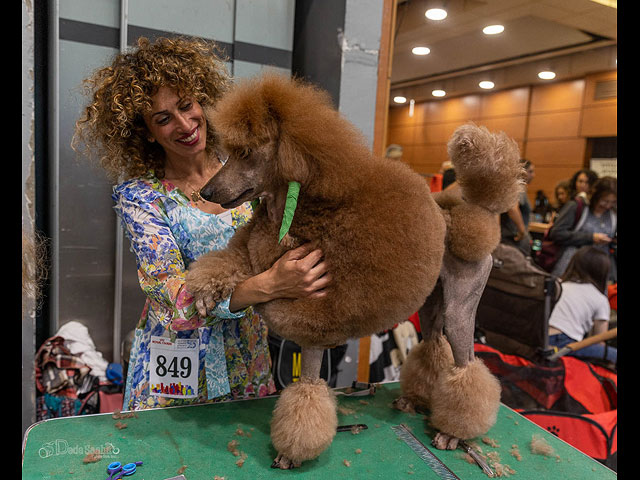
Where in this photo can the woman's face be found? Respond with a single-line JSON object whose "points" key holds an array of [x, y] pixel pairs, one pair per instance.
{"points": [[177, 124], [582, 183], [562, 195], [606, 202]]}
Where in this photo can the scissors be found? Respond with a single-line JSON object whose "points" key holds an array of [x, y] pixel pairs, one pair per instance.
{"points": [[116, 470]]}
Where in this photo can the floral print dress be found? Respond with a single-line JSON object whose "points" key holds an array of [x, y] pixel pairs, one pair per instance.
{"points": [[168, 232]]}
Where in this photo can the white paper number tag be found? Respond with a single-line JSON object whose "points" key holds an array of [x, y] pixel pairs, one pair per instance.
{"points": [[174, 367]]}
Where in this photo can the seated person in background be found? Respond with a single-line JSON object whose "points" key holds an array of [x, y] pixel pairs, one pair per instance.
{"points": [[583, 306], [595, 224], [514, 223], [393, 152], [581, 184], [448, 174], [562, 194]]}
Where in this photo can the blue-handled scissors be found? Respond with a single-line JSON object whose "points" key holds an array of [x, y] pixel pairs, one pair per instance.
{"points": [[116, 470]]}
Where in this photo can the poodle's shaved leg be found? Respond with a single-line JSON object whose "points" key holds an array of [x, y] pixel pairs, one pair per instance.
{"points": [[465, 398], [463, 283], [311, 362]]}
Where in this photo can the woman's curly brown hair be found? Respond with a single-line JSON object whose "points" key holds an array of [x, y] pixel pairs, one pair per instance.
{"points": [[112, 125]]}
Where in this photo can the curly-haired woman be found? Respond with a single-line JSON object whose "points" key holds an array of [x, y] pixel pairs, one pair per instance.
{"points": [[145, 122]]}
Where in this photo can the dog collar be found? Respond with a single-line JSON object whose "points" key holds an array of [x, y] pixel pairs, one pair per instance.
{"points": [[289, 208]]}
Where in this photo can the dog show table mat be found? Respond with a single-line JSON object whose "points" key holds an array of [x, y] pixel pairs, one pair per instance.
{"points": [[231, 441]]}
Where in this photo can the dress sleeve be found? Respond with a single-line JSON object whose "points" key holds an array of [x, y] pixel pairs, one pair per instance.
{"points": [[161, 268]]}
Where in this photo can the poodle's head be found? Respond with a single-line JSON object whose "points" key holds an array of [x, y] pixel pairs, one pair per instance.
{"points": [[277, 130], [268, 127]]}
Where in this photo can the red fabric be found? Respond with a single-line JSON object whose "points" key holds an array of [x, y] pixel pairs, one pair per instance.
{"points": [[415, 319], [612, 291], [510, 359], [587, 433], [110, 402], [435, 183], [584, 387]]}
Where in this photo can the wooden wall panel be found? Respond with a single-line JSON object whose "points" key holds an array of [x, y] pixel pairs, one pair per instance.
{"points": [[507, 102], [564, 124], [600, 121], [550, 122], [554, 153], [435, 133], [557, 96], [514, 126], [402, 135]]}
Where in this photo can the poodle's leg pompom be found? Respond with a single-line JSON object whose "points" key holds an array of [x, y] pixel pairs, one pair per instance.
{"points": [[420, 371], [464, 403], [304, 422]]}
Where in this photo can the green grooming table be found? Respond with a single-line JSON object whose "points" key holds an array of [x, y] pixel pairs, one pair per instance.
{"points": [[195, 441]]}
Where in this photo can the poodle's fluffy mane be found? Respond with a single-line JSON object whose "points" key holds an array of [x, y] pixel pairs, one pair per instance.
{"points": [[312, 136]]}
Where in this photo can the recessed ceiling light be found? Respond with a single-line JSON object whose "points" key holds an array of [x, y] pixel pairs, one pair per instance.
{"points": [[436, 14], [420, 50], [486, 84], [438, 93], [493, 29], [547, 75], [400, 99]]}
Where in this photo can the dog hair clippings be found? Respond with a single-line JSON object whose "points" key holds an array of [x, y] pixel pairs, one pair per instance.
{"points": [[289, 208]]}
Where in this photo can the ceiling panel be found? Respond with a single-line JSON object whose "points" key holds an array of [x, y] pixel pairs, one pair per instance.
{"points": [[534, 30]]}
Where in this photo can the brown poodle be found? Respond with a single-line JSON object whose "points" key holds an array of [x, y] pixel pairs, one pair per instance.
{"points": [[386, 241]]}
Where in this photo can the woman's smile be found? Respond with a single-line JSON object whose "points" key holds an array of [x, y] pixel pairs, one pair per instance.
{"points": [[191, 138]]}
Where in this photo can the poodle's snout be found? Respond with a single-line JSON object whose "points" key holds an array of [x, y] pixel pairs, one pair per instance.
{"points": [[206, 192]]}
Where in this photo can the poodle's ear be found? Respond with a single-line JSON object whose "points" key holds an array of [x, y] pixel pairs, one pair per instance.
{"points": [[292, 165]]}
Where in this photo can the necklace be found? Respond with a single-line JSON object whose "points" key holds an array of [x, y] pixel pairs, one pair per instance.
{"points": [[195, 193]]}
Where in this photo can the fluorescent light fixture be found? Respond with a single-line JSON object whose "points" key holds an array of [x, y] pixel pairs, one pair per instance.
{"points": [[493, 29], [400, 99], [412, 103], [420, 50], [436, 14], [547, 75], [438, 93], [486, 84]]}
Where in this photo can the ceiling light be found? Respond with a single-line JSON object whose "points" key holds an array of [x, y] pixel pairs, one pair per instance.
{"points": [[547, 75], [420, 50], [486, 84], [493, 29], [438, 93], [400, 99], [436, 14]]}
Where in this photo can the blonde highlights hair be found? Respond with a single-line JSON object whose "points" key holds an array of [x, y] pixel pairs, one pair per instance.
{"points": [[112, 127]]}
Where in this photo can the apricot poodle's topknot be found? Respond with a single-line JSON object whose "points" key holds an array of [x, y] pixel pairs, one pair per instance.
{"points": [[112, 124]]}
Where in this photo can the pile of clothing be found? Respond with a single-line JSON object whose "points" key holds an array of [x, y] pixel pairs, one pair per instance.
{"points": [[73, 378]]}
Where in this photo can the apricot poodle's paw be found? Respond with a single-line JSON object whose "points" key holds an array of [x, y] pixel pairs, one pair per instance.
{"points": [[210, 280], [304, 422], [404, 404], [284, 463], [442, 441]]}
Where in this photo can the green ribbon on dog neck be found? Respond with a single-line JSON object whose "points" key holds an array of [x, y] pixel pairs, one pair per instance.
{"points": [[289, 208]]}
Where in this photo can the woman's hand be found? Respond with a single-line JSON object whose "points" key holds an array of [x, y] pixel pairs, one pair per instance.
{"points": [[601, 239], [299, 273]]}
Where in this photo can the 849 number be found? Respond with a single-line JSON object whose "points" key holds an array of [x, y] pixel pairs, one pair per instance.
{"points": [[183, 370]]}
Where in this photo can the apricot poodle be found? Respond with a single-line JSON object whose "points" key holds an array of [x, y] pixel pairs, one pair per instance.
{"points": [[387, 243]]}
